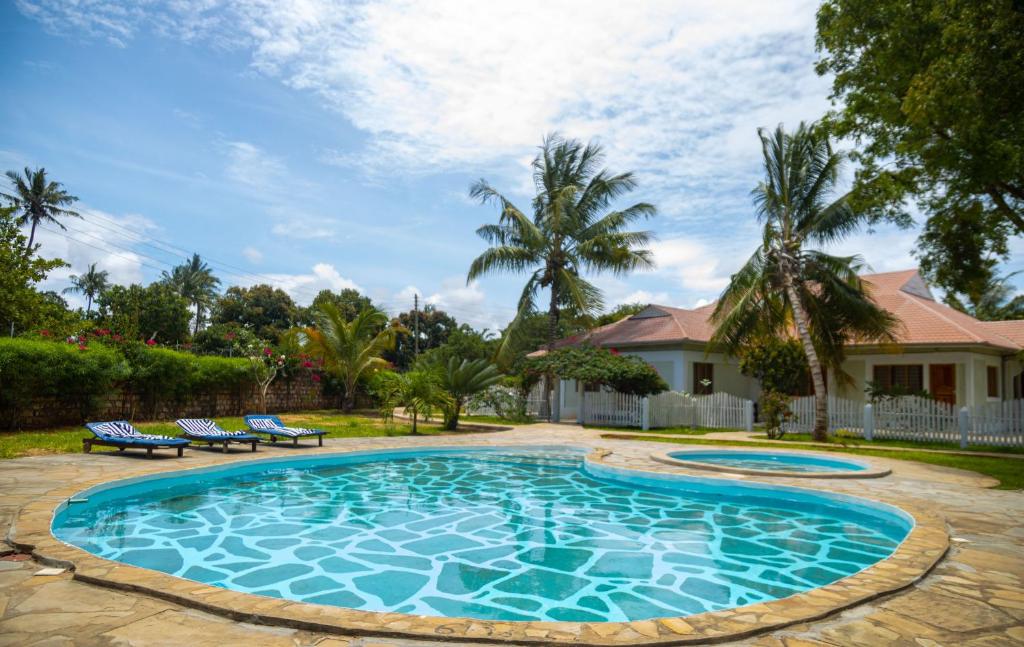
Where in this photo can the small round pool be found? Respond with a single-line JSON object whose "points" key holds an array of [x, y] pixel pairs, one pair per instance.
{"points": [[773, 463], [500, 534]]}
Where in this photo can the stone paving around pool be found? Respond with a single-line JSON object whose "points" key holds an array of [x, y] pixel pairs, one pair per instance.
{"points": [[973, 596]]}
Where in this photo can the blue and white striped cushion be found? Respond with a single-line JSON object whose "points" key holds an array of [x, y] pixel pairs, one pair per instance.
{"points": [[204, 427], [262, 423], [118, 429], [294, 431]]}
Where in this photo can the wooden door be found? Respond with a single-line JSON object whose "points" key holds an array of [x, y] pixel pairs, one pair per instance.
{"points": [[943, 382]]}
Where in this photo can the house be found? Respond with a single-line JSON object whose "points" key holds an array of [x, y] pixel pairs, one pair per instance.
{"points": [[953, 356]]}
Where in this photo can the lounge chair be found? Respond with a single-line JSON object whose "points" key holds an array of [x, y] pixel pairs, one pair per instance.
{"points": [[273, 427], [204, 430], [121, 434]]}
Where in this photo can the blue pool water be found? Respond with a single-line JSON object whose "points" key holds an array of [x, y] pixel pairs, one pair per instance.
{"points": [[494, 534], [771, 461]]}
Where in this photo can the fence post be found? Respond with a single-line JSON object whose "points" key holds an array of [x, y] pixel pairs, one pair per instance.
{"points": [[869, 422], [556, 401], [964, 425], [581, 397], [645, 413], [748, 415]]}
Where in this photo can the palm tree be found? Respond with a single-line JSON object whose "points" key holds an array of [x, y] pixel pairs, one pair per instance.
{"points": [[571, 231], [38, 200], [462, 379], [418, 391], [195, 281], [992, 299], [785, 285], [350, 349], [91, 284]]}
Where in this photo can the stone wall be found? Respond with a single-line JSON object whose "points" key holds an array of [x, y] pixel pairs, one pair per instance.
{"points": [[294, 395]]}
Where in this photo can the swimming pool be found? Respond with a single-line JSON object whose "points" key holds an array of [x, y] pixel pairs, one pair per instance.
{"points": [[771, 461], [506, 534]]}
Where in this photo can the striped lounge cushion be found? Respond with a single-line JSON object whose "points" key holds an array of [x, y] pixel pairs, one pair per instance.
{"points": [[119, 429], [293, 431], [262, 423], [204, 427]]}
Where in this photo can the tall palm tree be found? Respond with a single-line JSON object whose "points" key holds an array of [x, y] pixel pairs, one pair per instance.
{"points": [[350, 349], [195, 281], [786, 285], [39, 200], [91, 284], [572, 230]]}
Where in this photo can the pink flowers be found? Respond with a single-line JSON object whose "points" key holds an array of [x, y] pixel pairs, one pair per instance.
{"points": [[151, 342], [315, 377], [307, 364], [614, 351], [230, 336], [82, 347], [268, 352], [44, 333], [116, 337]]}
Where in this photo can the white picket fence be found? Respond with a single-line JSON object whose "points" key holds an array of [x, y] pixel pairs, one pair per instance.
{"points": [[917, 419], [669, 409]]}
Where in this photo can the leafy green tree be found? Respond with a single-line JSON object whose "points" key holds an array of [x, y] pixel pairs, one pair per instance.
{"points": [[462, 379], [931, 92], [349, 302], [38, 200], [91, 284], [154, 312], [787, 284], [224, 339], [22, 306], [195, 281], [350, 350], [992, 300], [463, 343], [619, 312], [265, 310], [600, 366], [780, 365], [435, 326], [573, 230], [418, 391]]}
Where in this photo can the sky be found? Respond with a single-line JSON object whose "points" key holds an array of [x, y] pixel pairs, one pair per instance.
{"points": [[317, 144]]}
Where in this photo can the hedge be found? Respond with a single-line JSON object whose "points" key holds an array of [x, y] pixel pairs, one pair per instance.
{"points": [[78, 377]]}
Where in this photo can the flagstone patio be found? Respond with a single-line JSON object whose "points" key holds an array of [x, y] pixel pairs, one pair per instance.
{"points": [[974, 595]]}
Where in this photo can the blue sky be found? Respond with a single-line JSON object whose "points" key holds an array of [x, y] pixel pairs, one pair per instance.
{"points": [[314, 144]]}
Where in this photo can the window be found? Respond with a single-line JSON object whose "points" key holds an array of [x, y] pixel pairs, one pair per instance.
{"points": [[993, 381], [1018, 386], [703, 378], [900, 377]]}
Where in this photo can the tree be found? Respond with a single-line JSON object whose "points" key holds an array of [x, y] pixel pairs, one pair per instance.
{"points": [[931, 92], [785, 284], [418, 391], [195, 281], [619, 312], [601, 367], [265, 310], [434, 326], [463, 343], [21, 304], [572, 231], [90, 284], [994, 299], [462, 379], [154, 312], [349, 301], [350, 350], [779, 365], [38, 200]]}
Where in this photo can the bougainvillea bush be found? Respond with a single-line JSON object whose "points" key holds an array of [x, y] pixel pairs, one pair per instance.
{"points": [[600, 366]]}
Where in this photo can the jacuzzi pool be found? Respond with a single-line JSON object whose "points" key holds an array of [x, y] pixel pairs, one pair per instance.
{"points": [[771, 461], [509, 534]]}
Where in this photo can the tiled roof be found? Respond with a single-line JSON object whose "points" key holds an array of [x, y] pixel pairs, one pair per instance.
{"points": [[904, 294]]}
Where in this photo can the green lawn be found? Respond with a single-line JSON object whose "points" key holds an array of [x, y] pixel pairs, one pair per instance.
{"points": [[682, 431], [1009, 471], [885, 442], [62, 440], [495, 420]]}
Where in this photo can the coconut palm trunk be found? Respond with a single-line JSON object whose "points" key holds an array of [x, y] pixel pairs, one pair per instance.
{"points": [[820, 431]]}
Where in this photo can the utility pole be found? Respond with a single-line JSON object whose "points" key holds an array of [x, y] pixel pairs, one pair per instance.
{"points": [[415, 326]]}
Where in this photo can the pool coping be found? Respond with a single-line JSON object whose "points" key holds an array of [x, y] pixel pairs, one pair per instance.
{"points": [[919, 552], [873, 472]]}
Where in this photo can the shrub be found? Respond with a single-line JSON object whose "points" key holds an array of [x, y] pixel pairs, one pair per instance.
{"points": [[76, 375], [775, 411], [599, 366], [779, 365]]}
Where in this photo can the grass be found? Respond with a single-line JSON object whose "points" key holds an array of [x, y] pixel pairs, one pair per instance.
{"points": [[63, 440], [1009, 471], [682, 431], [886, 442]]}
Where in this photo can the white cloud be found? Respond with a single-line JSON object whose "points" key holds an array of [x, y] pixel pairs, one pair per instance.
{"points": [[467, 303], [253, 168], [306, 229], [692, 265], [645, 297], [303, 287], [253, 255]]}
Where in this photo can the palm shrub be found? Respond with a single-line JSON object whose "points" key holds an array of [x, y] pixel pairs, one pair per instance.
{"points": [[787, 285], [349, 350], [462, 380], [419, 392], [572, 230]]}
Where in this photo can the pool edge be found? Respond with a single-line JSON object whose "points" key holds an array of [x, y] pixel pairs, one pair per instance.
{"points": [[871, 473], [924, 546]]}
